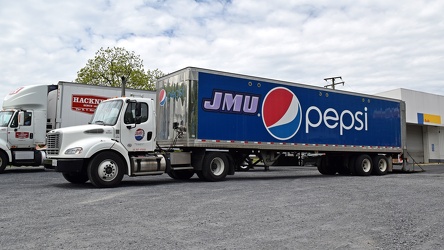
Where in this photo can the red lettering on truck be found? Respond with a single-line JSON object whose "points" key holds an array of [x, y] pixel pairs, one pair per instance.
{"points": [[86, 103]]}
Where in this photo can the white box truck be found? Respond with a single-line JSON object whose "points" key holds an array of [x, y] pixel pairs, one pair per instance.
{"points": [[208, 122], [31, 111]]}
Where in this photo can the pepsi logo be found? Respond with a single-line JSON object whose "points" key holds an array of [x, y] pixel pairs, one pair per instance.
{"points": [[139, 134], [281, 113], [162, 97]]}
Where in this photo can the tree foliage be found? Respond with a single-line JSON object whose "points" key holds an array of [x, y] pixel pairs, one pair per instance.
{"points": [[111, 64]]}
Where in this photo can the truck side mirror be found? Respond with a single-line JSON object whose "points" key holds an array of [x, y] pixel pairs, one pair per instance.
{"points": [[21, 118], [138, 110]]}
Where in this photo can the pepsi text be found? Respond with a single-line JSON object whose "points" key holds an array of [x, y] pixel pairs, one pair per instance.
{"points": [[332, 119]]}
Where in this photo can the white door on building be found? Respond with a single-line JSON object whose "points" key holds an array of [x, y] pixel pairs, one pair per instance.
{"points": [[441, 143]]}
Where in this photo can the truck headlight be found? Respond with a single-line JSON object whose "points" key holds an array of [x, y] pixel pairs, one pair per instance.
{"points": [[74, 151]]}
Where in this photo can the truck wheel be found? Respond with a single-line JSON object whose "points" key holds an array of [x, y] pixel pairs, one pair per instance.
{"points": [[105, 170], [3, 161], [343, 170], [381, 164], [200, 175], [351, 164], [325, 167], [363, 165], [76, 178], [215, 166], [343, 165], [181, 174]]}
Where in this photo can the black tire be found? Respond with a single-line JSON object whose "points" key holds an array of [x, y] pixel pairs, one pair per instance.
{"points": [[106, 170], [242, 162], [200, 175], [215, 166], [351, 164], [380, 165], [343, 170], [324, 167], [76, 178], [363, 165], [181, 174], [243, 167], [342, 165], [3, 161]]}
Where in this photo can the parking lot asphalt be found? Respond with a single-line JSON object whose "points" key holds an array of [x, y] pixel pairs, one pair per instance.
{"points": [[284, 208]]}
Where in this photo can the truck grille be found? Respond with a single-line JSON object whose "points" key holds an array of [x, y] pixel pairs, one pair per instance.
{"points": [[53, 143]]}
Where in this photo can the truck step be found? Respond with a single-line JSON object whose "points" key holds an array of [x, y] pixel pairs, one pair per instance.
{"points": [[148, 173], [183, 168]]}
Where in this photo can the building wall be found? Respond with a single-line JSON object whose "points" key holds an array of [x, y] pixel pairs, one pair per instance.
{"points": [[425, 124]]}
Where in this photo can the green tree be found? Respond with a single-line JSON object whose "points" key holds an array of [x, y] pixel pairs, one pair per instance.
{"points": [[110, 64]]}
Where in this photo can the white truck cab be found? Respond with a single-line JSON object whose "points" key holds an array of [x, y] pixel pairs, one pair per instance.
{"points": [[31, 111], [120, 140], [23, 126]]}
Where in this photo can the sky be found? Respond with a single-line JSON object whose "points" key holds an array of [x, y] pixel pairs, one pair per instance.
{"points": [[374, 45]]}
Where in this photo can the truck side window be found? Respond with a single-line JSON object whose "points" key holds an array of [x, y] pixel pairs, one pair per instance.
{"points": [[28, 119], [130, 113], [144, 117], [129, 117], [14, 122]]}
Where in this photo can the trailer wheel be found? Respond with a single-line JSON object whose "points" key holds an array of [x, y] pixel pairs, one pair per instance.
{"points": [[243, 167], [325, 166], [181, 174], [342, 165], [105, 170], [363, 165], [3, 161], [76, 178], [200, 175], [343, 170], [215, 166], [351, 164], [381, 164]]}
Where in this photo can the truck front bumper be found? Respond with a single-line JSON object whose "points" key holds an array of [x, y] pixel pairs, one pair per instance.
{"points": [[67, 165]]}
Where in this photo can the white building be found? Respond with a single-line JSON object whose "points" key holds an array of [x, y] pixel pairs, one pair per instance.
{"points": [[425, 127]]}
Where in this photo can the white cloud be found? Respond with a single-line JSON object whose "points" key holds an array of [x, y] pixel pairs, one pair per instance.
{"points": [[374, 45]]}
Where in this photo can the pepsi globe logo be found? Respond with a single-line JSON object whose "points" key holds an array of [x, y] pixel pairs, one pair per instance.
{"points": [[162, 97], [139, 134], [281, 113]]}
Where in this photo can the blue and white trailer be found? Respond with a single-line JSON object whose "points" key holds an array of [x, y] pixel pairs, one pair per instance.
{"points": [[209, 122]]}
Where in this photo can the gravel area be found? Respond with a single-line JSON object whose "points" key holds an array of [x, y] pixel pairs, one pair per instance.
{"points": [[284, 208]]}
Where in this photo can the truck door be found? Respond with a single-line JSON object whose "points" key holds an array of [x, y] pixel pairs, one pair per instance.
{"points": [[21, 134], [138, 134]]}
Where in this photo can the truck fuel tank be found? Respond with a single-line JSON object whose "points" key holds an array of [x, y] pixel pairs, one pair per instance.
{"points": [[152, 163]]}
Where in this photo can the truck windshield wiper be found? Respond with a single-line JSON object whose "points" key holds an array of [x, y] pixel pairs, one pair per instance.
{"points": [[99, 122]]}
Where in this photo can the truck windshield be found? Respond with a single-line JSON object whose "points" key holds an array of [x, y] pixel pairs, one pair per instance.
{"points": [[107, 112], [5, 117]]}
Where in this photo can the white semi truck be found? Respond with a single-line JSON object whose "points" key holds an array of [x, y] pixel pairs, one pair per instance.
{"points": [[31, 111], [207, 122]]}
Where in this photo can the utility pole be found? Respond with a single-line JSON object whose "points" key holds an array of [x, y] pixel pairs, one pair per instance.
{"points": [[333, 83]]}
